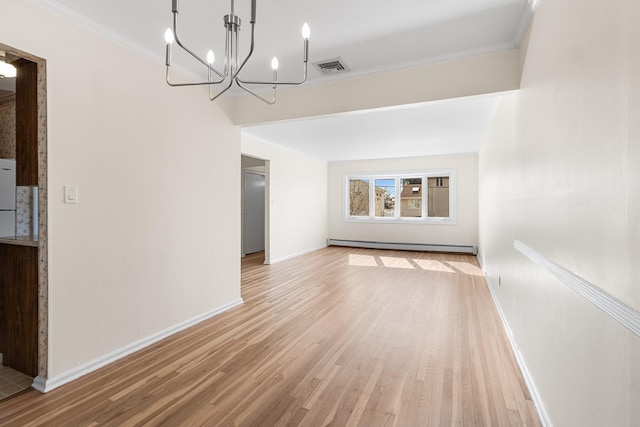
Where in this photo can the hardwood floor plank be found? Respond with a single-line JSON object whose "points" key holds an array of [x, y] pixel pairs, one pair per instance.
{"points": [[337, 337]]}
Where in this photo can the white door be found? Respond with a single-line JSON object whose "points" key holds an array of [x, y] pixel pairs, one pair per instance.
{"points": [[253, 230]]}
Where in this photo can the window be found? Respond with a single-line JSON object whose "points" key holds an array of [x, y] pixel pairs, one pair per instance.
{"points": [[426, 197], [438, 197], [386, 194], [359, 197], [411, 197]]}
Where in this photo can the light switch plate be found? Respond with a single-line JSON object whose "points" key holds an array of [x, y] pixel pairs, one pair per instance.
{"points": [[70, 194]]}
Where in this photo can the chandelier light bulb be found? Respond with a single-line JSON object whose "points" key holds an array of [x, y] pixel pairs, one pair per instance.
{"points": [[306, 31], [168, 36], [275, 64], [210, 57]]}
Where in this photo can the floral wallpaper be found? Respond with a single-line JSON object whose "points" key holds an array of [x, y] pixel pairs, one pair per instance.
{"points": [[24, 210], [43, 260], [8, 127]]}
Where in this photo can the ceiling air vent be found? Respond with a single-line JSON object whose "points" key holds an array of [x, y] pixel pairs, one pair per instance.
{"points": [[331, 66]]}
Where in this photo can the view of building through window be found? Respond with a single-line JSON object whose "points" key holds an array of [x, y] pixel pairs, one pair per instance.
{"points": [[421, 196], [385, 197], [438, 197], [411, 197], [359, 197]]}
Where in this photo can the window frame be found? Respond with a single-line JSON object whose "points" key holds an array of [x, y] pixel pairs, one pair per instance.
{"points": [[398, 176]]}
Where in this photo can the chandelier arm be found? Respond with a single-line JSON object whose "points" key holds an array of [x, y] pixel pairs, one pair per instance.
{"points": [[213, 98], [190, 84], [278, 82], [273, 99], [186, 49], [304, 79]]}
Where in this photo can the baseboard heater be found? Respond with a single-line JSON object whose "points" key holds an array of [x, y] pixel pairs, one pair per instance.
{"points": [[421, 247]]}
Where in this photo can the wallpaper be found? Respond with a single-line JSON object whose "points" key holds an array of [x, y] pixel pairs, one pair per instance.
{"points": [[24, 210], [8, 127]]}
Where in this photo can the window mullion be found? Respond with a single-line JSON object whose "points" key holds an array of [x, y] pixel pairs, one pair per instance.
{"points": [[425, 196], [372, 197], [398, 201]]}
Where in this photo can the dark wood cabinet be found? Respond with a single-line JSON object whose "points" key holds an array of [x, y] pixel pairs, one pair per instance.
{"points": [[26, 122], [19, 308]]}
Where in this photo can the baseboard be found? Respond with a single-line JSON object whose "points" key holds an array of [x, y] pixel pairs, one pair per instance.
{"points": [[422, 247], [44, 385], [297, 254], [528, 379]]}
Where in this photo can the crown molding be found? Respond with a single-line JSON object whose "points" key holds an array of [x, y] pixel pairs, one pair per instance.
{"points": [[89, 24], [525, 21], [65, 12], [432, 60]]}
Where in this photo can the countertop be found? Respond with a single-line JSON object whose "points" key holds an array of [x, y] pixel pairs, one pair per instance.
{"points": [[20, 241]]}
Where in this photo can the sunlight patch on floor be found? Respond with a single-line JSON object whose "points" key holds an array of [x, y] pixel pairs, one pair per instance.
{"points": [[432, 265], [362, 260], [466, 268], [445, 266], [396, 262]]}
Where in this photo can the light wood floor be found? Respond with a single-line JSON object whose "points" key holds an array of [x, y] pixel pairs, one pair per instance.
{"points": [[338, 337]]}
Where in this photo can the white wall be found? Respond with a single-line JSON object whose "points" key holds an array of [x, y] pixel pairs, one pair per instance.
{"points": [[297, 194], [559, 172], [154, 240], [464, 232]]}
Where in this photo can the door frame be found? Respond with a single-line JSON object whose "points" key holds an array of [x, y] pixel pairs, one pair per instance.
{"points": [[244, 196], [43, 245], [267, 205]]}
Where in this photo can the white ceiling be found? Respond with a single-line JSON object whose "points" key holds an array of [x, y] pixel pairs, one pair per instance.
{"points": [[369, 35], [445, 127]]}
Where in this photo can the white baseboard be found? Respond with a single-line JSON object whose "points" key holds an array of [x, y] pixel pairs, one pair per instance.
{"points": [[528, 379], [284, 258], [44, 385]]}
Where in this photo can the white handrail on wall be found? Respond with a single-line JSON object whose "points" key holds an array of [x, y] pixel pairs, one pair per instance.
{"points": [[615, 308]]}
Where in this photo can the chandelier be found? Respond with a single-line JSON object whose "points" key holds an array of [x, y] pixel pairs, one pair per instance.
{"points": [[230, 74]]}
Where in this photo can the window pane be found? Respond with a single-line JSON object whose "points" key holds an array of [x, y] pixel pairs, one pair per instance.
{"points": [[385, 197], [438, 197], [411, 197], [359, 197]]}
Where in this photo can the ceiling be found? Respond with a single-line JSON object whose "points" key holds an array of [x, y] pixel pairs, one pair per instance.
{"points": [[369, 36], [434, 128]]}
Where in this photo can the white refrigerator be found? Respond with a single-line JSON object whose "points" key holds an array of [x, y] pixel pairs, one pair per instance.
{"points": [[7, 197]]}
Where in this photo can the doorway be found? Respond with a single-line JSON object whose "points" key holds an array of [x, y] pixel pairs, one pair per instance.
{"points": [[254, 193], [253, 233], [25, 348]]}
